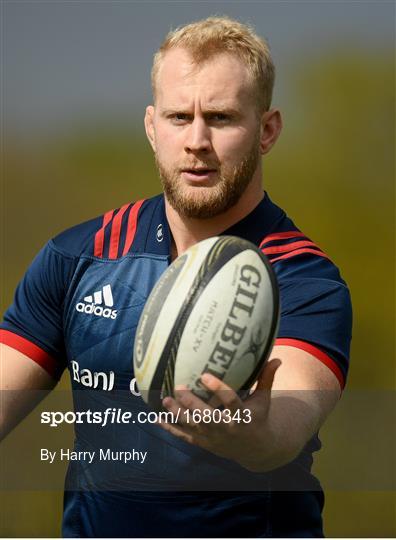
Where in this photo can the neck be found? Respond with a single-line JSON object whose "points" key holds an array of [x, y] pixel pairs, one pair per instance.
{"points": [[188, 231]]}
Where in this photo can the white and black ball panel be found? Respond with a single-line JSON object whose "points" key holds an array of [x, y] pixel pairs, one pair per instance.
{"points": [[161, 311], [220, 325], [158, 296], [217, 311]]}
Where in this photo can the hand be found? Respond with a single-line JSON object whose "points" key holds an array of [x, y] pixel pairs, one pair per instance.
{"points": [[240, 437]]}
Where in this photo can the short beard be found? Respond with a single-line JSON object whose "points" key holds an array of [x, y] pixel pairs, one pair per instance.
{"points": [[208, 202]]}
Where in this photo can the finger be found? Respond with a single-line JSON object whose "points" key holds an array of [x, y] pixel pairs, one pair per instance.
{"points": [[177, 431], [189, 400], [176, 409], [226, 395], [266, 378], [182, 416]]}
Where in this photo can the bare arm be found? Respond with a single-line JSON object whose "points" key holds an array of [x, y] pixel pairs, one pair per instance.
{"points": [[293, 397], [23, 384], [302, 394]]}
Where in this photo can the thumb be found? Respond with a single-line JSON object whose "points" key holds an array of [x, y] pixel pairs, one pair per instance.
{"points": [[267, 376]]}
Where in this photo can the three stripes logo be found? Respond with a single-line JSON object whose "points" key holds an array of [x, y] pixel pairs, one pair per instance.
{"points": [[93, 304], [288, 244]]}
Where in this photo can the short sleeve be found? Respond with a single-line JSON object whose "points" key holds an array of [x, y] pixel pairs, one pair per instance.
{"points": [[316, 311], [33, 324]]}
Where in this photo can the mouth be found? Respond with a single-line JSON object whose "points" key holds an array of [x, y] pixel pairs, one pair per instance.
{"points": [[199, 172]]}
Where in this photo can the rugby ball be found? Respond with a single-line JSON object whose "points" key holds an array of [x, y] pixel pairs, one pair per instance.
{"points": [[215, 309]]}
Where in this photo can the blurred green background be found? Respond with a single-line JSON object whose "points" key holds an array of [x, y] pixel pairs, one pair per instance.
{"points": [[76, 79]]}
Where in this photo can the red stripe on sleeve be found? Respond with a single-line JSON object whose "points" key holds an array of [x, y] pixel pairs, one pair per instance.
{"points": [[299, 252], [115, 232], [282, 236], [99, 236], [31, 350], [317, 353], [132, 224], [287, 247]]}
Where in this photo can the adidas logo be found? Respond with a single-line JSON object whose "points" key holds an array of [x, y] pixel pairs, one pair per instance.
{"points": [[93, 305]]}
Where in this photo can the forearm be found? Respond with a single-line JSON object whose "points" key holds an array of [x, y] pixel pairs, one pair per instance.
{"points": [[293, 418], [23, 384], [292, 399]]}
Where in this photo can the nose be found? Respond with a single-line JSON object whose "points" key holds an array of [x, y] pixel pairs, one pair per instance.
{"points": [[198, 138]]}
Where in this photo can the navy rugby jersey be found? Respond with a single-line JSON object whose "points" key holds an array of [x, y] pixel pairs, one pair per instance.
{"points": [[78, 307]]}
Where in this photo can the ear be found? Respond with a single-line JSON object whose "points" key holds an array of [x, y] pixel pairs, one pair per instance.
{"points": [[149, 125], [271, 127]]}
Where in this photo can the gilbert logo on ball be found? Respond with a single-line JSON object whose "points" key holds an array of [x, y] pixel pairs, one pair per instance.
{"points": [[216, 310]]}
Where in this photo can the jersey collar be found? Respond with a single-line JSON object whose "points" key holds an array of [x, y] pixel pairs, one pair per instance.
{"points": [[258, 223], [253, 227]]}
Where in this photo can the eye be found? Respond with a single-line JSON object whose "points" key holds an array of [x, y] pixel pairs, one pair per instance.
{"points": [[179, 118], [220, 118]]}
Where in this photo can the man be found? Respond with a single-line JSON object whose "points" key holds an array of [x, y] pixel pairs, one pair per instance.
{"points": [[79, 303]]}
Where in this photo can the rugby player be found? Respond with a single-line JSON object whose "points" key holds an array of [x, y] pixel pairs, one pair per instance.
{"points": [[78, 305]]}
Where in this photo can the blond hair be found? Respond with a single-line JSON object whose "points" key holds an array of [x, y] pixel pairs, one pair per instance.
{"points": [[214, 35]]}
